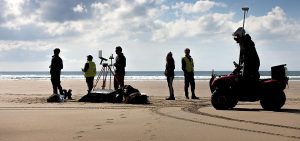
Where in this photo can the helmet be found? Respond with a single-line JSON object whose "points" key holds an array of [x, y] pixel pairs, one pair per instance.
{"points": [[239, 32]]}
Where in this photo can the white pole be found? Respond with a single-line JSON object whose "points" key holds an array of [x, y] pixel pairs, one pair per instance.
{"points": [[245, 9]]}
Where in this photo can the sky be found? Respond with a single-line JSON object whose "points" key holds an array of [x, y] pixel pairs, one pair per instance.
{"points": [[146, 30]]}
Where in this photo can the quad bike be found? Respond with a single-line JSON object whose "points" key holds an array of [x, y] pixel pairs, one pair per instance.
{"points": [[228, 90]]}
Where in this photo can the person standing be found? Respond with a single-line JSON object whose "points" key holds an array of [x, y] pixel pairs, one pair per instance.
{"points": [[169, 73], [55, 70], [188, 69], [120, 65], [89, 72]]}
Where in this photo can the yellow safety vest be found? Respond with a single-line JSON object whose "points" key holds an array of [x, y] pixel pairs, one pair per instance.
{"points": [[91, 72], [189, 64]]}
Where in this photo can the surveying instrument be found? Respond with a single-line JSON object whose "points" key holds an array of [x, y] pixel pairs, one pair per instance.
{"points": [[105, 71]]}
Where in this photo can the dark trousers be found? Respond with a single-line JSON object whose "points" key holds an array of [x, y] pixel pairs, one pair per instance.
{"points": [[189, 79], [119, 81], [90, 83], [170, 85], [250, 76], [55, 80]]}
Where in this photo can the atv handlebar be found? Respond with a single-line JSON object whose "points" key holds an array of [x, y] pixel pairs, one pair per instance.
{"points": [[237, 69]]}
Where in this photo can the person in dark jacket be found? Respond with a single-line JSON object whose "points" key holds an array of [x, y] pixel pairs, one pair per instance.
{"points": [[188, 70], [55, 70], [169, 73], [248, 56], [120, 65]]}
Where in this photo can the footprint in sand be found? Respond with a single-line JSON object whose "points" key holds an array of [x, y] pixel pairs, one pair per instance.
{"points": [[148, 124], [77, 137], [122, 116], [80, 132], [98, 127], [152, 137], [109, 120]]}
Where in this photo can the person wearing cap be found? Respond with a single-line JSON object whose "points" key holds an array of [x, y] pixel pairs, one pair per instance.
{"points": [[55, 70], [169, 73], [120, 65], [248, 57], [188, 69], [89, 72]]}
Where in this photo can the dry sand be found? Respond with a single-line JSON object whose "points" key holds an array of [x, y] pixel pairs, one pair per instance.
{"points": [[25, 115]]}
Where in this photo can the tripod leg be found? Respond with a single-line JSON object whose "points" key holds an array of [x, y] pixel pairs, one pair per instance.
{"points": [[116, 78], [98, 77], [104, 77]]}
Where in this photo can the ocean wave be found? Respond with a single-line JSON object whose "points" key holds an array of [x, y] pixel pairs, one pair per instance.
{"points": [[46, 77]]}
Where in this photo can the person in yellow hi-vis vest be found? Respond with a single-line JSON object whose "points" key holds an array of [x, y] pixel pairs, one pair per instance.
{"points": [[89, 72], [188, 69]]}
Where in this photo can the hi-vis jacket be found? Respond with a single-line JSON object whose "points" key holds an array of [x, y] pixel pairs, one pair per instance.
{"points": [[91, 71], [187, 64]]}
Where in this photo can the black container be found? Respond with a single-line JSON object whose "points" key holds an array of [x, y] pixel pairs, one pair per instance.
{"points": [[279, 72]]}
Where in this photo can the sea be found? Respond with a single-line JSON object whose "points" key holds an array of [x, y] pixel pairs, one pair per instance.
{"points": [[130, 75]]}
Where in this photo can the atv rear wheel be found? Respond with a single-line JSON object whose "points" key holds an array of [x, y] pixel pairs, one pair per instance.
{"points": [[222, 100], [273, 100]]}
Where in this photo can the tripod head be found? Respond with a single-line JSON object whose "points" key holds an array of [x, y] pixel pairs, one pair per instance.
{"points": [[102, 59]]}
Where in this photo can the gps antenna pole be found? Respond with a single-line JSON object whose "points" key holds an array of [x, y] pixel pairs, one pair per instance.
{"points": [[245, 9]]}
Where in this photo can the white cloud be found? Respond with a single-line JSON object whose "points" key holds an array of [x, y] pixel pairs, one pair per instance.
{"points": [[274, 25], [57, 29], [79, 8], [101, 7], [13, 8], [207, 25], [25, 45], [198, 7]]}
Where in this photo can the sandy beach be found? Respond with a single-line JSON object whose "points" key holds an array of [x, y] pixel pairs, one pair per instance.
{"points": [[26, 116]]}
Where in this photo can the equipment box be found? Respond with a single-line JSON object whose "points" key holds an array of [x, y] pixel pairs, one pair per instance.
{"points": [[279, 72]]}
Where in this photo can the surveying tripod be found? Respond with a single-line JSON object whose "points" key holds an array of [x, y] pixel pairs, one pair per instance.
{"points": [[106, 68]]}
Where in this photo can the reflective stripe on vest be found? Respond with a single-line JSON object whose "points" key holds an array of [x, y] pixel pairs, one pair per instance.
{"points": [[91, 72], [189, 64]]}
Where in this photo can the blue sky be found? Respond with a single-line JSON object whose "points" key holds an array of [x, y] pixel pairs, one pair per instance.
{"points": [[147, 30]]}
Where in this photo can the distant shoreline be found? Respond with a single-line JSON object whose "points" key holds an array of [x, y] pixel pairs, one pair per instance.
{"points": [[130, 75]]}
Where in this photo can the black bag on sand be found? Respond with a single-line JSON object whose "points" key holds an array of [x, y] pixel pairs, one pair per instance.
{"points": [[129, 90], [114, 97], [55, 98], [133, 96], [136, 98]]}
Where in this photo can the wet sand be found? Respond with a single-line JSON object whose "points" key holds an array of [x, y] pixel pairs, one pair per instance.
{"points": [[25, 115]]}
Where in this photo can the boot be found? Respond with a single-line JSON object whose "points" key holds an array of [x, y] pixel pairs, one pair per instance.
{"points": [[194, 97], [170, 98], [186, 92]]}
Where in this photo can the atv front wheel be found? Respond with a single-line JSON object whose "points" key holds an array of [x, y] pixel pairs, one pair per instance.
{"points": [[273, 100], [222, 100]]}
